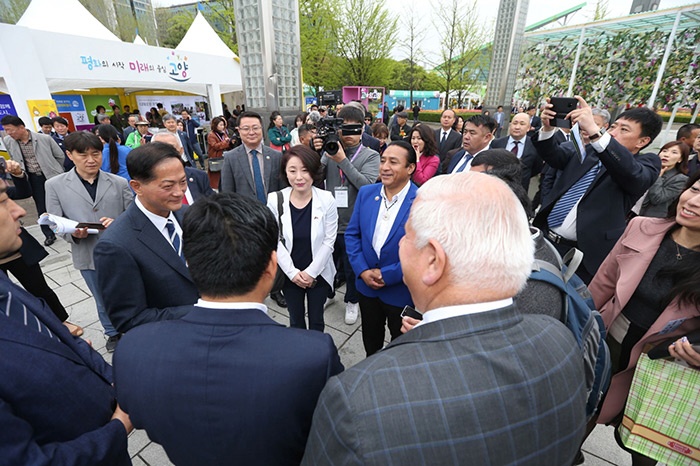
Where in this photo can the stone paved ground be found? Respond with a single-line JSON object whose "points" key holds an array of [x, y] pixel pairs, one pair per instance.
{"points": [[600, 449]]}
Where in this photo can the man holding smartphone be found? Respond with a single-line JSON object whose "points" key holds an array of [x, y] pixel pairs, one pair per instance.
{"points": [[587, 205], [88, 194]]}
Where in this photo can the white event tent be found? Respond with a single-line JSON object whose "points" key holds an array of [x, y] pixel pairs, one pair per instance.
{"points": [[58, 45]]}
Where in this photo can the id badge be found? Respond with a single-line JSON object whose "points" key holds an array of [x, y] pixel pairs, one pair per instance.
{"points": [[341, 197]]}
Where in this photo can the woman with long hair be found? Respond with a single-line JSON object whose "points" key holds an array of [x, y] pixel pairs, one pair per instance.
{"points": [[309, 223], [674, 168], [217, 142], [647, 292], [277, 133], [113, 153], [298, 121], [423, 141]]}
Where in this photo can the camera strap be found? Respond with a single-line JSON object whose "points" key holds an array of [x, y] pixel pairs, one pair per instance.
{"points": [[352, 159]]}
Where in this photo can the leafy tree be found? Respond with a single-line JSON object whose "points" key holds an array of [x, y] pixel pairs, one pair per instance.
{"points": [[363, 44], [411, 45], [317, 20], [172, 26], [221, 16], [13, 10]]}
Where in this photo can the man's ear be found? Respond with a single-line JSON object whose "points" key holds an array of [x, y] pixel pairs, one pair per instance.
{"points": [[435, 262], [135, 186]]}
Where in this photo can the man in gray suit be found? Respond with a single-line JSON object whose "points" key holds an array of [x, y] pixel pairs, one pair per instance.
{"points": [[40, 157], [88, 194], [251, 169], [476, 381]]}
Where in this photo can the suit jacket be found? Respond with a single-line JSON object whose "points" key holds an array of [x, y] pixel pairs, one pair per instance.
{"points": [[662, 193], [601, 214], [237, 177], [198, 182], [324, 228], [358, 244], [48, 154], [187, 146], [32, 252], [395, 133], [370, 141], [67, 162], [141, 276], [535, 125], [530, 160], [66, 196], [56, 395], [495, 387], [453, 141], [612, 287], [224, 386]]}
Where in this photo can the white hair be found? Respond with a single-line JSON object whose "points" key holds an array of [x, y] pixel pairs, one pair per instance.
{"points": [[481, 225]]}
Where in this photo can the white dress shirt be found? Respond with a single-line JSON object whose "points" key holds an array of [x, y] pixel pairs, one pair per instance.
{"points": [[466, 162], [219, 305], [160, 222], [462, 310], [388, 210], [521, 145]]}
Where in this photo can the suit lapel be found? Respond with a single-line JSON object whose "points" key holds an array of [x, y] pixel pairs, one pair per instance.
{"points": [[74, 184], [267, 169], [245, 167], [153, 240], [103, 186], [455, 160], [373, 211], [402, 216]]}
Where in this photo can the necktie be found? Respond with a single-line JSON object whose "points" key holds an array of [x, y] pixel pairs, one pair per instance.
{"points": [[257, 177], [514, 150], [174, 238], [564, 205], [464, 162], [444, 136], [16, 310]]}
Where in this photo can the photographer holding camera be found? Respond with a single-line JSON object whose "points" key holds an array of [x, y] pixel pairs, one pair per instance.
{"points": [[349, 165]]}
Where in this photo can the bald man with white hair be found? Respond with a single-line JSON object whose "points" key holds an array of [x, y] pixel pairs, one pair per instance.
{"points": [[197, 180], [476, 381]]}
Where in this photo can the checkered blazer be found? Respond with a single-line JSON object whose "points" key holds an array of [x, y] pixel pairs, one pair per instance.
{"points": [[492, 388]]}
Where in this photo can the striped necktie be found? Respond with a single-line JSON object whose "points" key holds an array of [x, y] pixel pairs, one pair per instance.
{"points": [[567, 202], [174, 238], [14, 309]]}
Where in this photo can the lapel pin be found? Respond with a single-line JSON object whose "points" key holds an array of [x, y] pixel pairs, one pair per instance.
{"points": [[267, 157], [376, 198], [191, 179]]}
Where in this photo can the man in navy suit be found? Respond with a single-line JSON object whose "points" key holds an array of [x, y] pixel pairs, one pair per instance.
{"points": [[139, 262], [447, 138], [477, 135], [372, 243], [226, 384], [520, 145], [476, 382], [57, 402], [588, 203]]}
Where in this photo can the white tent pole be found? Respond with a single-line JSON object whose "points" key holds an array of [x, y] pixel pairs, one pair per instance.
{"points": [[214, 95], [578, 54], [662, 68]]}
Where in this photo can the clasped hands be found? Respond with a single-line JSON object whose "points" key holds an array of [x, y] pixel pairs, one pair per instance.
{"points": [[303, 280], [373, 278]]}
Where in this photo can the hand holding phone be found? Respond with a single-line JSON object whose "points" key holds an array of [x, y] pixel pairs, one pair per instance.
{"points": [[562, 106]]}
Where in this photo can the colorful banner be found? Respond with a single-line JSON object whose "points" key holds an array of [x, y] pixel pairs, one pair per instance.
{"points": [[72, 108], [197, 106], [92, 101], [41, 108], [6, 107]]}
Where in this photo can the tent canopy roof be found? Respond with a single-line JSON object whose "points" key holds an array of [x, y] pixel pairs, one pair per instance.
{"points": [[64, 15], [202, 38]]}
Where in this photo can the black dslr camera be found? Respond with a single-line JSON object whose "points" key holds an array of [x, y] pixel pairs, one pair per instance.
{"points": [[328, 131]]}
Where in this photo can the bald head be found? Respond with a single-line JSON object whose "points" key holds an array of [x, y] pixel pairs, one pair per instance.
{"points": [[519, 126], [168, 138]]}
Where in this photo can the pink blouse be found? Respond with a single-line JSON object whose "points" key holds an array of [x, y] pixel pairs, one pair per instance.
{"points": [[425, 168]]}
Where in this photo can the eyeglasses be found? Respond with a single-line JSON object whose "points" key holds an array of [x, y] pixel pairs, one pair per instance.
{"points": [[246, 129]]}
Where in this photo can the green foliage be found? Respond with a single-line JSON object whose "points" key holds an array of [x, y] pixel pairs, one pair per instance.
{"points": [[13, 11], [317, 20], [221, 16], [172, 26], [363, 44]]}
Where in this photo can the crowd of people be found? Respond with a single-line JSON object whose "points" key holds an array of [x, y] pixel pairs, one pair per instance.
{"points": [[431, 230]]}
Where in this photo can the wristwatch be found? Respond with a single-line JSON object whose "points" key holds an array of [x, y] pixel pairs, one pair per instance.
{"points": [[596, 136]]}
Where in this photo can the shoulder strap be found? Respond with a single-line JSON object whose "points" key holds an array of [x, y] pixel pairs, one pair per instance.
{"points": [[280, 206], [572, 260]]}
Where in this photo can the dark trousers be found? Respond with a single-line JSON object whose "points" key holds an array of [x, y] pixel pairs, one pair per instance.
{"points": [[32, 279], [315, 298], [375, 314], [39, 196], [351, 294]]}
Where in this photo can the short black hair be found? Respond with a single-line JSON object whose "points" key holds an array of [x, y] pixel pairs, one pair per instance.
{"points": [[352, 114], [81, 141], [247, 114], [141, 162], [100, 107], [482, 120], [11, 120], [309, 159], [45, 121], [648, 119], [410, 151], [304, 129], [686, 130], [505, 165], [228, 240], [60, 120]]}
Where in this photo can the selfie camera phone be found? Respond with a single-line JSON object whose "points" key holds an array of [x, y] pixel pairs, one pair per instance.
{"points": [[562, 106], [408, 311]]}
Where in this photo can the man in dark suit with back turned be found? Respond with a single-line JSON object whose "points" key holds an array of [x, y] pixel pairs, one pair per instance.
{"points": [[476, 381], [57, 402], [139, 262], [447, 138], [588, 203], [520, 145], [226, 384]]}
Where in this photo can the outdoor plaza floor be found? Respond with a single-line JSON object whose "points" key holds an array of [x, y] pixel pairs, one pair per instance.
{"points": [[600, 449]]}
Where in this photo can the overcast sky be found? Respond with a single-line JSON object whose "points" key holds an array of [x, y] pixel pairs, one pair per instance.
{"points": [[488, 10]]}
